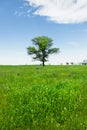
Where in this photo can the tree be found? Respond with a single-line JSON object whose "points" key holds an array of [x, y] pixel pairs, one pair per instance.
{"points": [[67, 63], [42, 48], [72, 63], [84, 62]]}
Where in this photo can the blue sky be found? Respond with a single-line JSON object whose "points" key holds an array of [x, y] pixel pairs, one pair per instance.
{"points": [[22, 20]]}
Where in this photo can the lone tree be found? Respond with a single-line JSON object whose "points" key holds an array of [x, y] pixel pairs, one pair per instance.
{"points": [[42, 49]]}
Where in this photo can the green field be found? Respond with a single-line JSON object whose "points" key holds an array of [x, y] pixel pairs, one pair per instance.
{"points": [[43, 98]]}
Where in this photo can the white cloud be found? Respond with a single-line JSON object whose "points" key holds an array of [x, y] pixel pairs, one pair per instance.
{"points": [[61, 11], [19, 13]]}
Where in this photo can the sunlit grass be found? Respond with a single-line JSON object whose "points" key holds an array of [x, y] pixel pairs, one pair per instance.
{"points": [[43, 98]]}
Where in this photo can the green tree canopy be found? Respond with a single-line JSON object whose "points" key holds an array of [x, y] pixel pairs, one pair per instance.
{"points": [[42, 48]]}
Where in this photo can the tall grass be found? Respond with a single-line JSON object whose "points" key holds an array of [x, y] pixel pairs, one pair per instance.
{"points": [[37, 98]]}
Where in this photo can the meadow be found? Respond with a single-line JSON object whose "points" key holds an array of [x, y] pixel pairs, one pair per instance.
{"points": [[43, 98]]}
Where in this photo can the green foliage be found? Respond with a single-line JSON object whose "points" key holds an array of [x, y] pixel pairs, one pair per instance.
{"points": [[43, 48], [38, 98]]}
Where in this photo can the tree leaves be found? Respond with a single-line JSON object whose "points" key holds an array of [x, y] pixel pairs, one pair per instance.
{"points": [[42, 48]]}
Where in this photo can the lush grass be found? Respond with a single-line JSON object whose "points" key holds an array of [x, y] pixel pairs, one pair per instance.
{"points": [[43, 98]]}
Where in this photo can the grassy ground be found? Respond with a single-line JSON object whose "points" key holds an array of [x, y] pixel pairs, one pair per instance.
{"points": [[43, 98]]}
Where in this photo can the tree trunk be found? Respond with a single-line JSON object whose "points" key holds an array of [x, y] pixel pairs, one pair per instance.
{"points": [[43, 60], [43, 63]]}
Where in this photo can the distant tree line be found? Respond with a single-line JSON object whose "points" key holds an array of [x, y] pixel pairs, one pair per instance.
{"points": [[72, 63]]}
